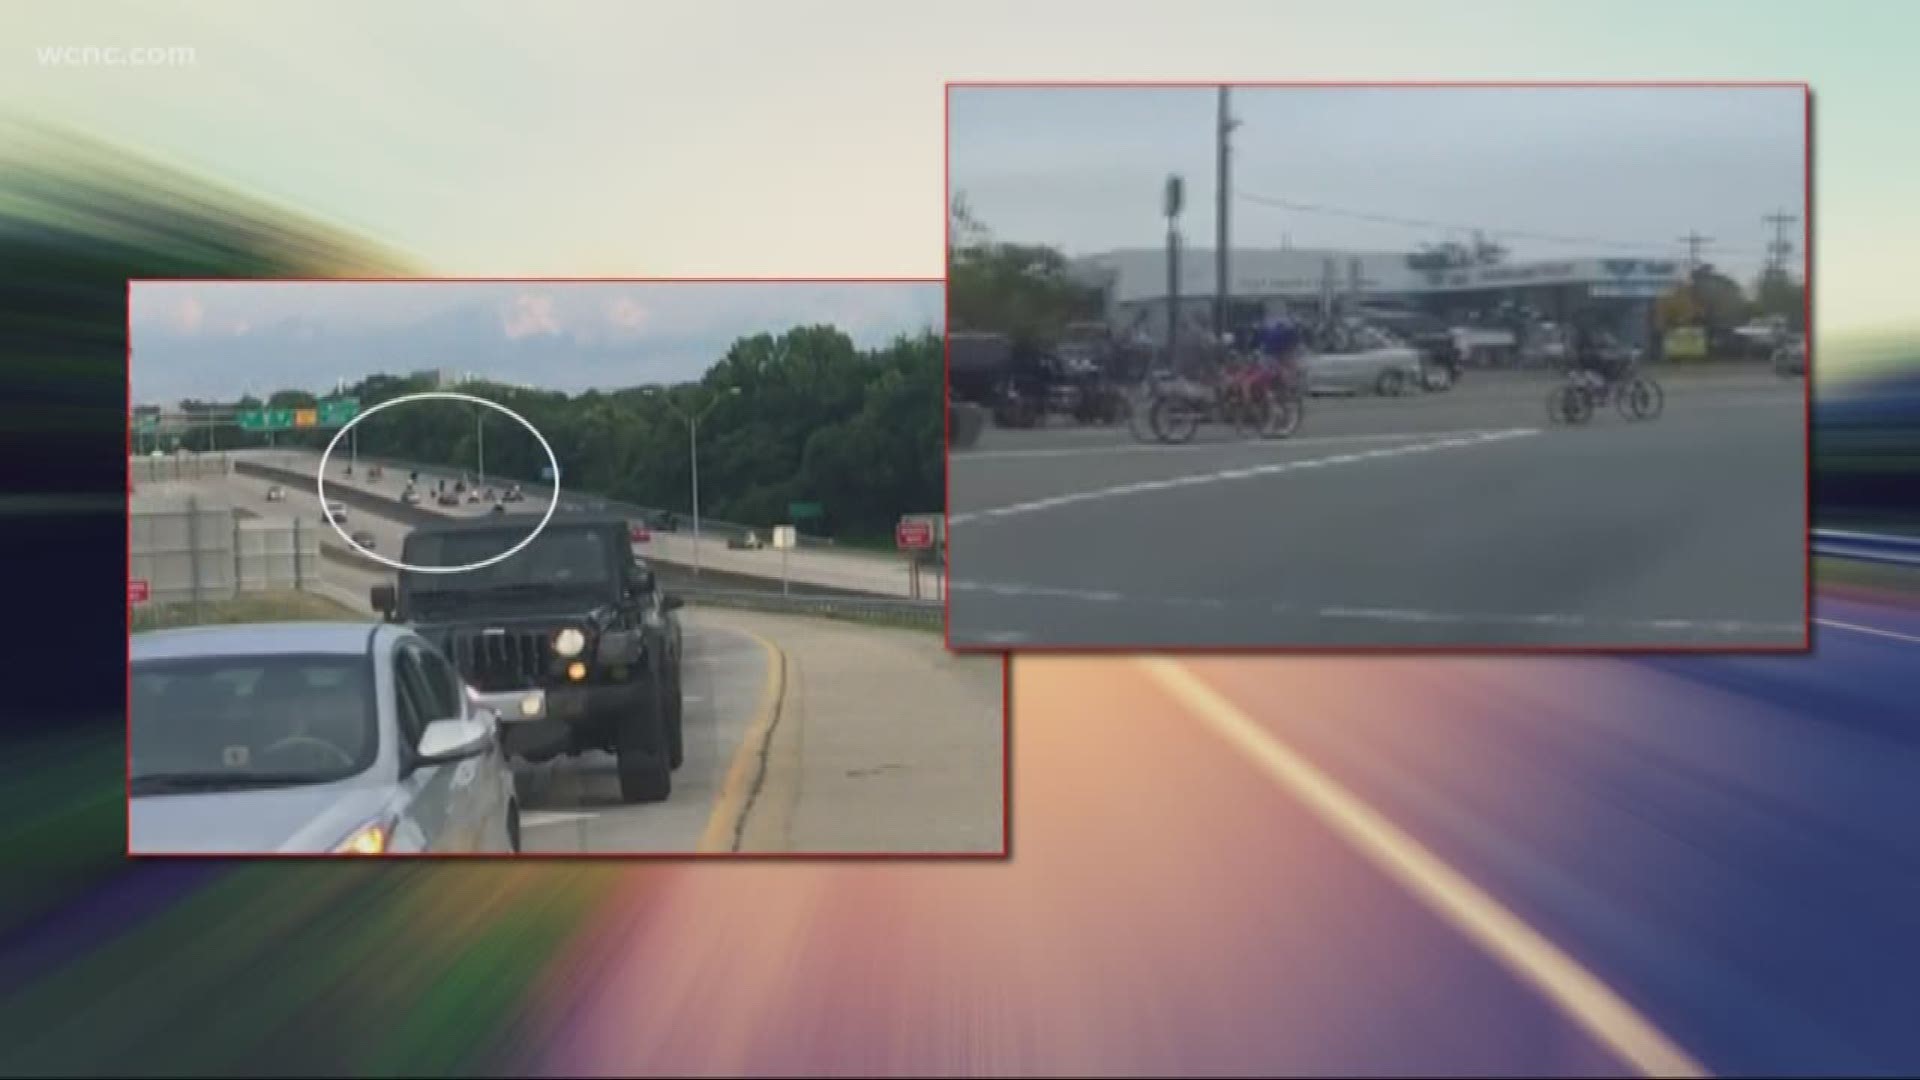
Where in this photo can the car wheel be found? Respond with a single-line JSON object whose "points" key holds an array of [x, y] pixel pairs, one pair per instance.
{"points": [[1392, 382], [646, 776]]}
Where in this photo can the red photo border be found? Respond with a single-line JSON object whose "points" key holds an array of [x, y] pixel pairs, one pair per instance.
{"points": [[1804, 647], [1006, 669]]}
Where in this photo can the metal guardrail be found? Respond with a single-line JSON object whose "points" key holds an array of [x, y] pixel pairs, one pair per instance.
{"points": [[919, 614], [1867, 547]]}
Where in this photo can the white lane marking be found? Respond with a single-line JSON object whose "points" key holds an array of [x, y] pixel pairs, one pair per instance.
{"points": [[1524, 951], [1404, 615], [1274, 469], [1149, 448], [1876, 631], [534, 819]]}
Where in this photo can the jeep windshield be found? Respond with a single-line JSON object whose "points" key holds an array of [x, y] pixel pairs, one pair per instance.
{"points": [[559, 559]]}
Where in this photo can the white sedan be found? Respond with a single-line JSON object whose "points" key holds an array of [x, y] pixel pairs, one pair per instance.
{"points": [[1372, 363], [314, 738]]}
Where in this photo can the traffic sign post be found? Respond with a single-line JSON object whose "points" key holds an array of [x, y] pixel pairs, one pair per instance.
{"points": [[918, 536], [786, 538], [139, 591], [801, 510]]}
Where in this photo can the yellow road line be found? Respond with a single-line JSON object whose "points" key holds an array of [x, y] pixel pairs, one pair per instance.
{"points": [[743, 775], [1577, 992]]}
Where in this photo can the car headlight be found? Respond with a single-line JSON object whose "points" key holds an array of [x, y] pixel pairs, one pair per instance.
{"points": [[569, 643], [368, 840]]}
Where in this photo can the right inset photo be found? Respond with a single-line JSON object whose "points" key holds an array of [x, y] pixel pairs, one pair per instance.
{"points": [[1476, 367]]}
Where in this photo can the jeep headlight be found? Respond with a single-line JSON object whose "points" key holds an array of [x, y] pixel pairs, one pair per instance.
{"points": [[569, 643]]}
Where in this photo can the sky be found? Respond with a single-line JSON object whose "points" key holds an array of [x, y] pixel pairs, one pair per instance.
{"points": [[606, 138], [222, 339], [1631, 170]]}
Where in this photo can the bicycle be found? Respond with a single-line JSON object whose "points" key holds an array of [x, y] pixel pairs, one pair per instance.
{"points": [[1636, 396]]}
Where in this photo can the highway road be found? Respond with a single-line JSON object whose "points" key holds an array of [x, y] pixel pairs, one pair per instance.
{"points": [[879, 573], [870, 739], [1456, 519]]}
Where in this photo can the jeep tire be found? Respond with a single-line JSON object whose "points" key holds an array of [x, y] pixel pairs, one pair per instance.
{"points": [[642, 751]]}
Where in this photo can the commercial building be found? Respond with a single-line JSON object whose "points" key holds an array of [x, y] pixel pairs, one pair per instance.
{"points": [[1621, 292]]}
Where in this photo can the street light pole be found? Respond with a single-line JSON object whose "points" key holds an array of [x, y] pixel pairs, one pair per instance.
{"points": [[693, 454], [692, 420]]}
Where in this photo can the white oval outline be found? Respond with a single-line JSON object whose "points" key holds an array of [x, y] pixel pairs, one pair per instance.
{"points": [[437, 395]]}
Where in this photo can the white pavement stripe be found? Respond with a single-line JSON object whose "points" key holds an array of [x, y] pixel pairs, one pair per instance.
{"points": [[1274, 469], [1875, 631], [534, 819], [1413, 615], [1509, 939], [1106, 449]]}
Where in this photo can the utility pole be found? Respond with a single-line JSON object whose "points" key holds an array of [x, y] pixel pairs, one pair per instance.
{"points": [[1694, 242], [1176, 197], [1222, 204], [1781, 247]]}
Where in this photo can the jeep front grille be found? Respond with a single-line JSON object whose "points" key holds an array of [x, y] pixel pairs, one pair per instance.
{"points": [[510, 660]]}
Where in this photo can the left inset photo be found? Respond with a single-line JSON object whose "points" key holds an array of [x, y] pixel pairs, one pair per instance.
{"points": [[547, 567]]}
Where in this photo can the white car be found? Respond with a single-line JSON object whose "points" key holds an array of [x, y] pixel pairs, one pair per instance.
{"points": [[315, 738], [336, 510], [1372, 362]]}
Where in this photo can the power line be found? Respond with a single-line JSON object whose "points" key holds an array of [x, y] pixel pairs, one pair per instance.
{"points": [[1427, 224]]}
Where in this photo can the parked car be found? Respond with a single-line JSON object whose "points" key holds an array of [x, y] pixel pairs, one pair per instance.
{"points": [[410, 497], [1790, 359], [315, 738], [1366, 360], [364, 539], [336, 510], [276, 493], [448, 498]]}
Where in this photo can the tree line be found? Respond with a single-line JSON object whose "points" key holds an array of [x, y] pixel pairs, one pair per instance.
{"points": [[804, 417]]}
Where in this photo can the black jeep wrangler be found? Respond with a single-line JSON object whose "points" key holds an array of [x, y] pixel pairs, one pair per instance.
{"points": [[574, 613]]}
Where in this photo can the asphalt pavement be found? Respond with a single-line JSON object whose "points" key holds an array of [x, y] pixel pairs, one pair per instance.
{"points": [[572, 804], [1461, 519]]}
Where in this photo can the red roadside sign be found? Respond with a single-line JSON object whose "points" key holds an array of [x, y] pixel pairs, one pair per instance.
{"points": [[639, 534], [911, 535], [137, 591]]}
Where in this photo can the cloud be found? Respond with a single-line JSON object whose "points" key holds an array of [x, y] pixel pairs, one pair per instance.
{"points": [[626, 313], [530, 315]]}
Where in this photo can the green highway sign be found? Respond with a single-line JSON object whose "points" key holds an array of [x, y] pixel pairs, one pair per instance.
{"points": [[337, 412], [265, 419], [806, 510]]}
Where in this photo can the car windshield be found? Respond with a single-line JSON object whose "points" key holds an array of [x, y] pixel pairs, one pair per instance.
{"points": [[228, 723], [557, 558]]}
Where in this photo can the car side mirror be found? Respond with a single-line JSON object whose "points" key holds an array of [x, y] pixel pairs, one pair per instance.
{"points": [[454, 739], [382, 599], [510, 706]]}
